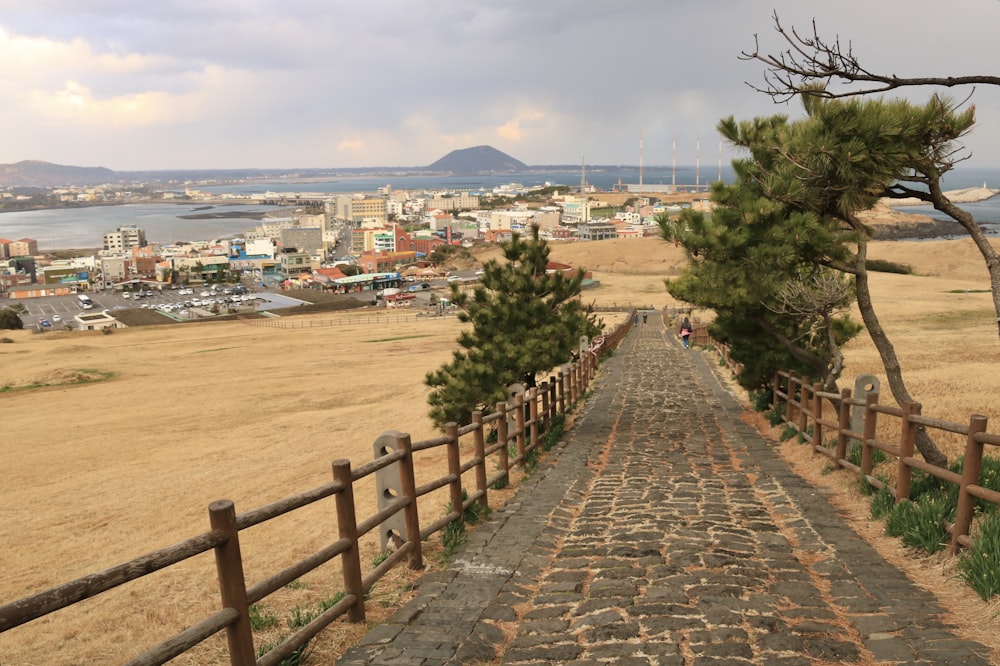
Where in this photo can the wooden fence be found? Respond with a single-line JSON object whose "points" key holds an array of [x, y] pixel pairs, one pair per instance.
{"points": [[802, 407], [519, 429]]}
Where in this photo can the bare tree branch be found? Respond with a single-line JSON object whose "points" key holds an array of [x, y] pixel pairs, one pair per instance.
{"points": [[808, 64]]}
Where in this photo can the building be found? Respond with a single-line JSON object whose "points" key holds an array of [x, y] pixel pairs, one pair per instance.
{"points": [[308, 240], [358, 210], [93, 321], [26, 247], [115, 269], [453, 202], [599, 230], [124, 239]]}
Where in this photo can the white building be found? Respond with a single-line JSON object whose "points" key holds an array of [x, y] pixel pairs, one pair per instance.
{"points": [[124, 239]]}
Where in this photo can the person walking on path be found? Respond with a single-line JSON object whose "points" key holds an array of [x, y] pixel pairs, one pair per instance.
{"points": [[644, 314], [662, 529], [685, 332]]}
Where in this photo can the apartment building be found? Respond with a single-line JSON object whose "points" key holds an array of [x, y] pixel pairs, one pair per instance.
{"points": [[124, 239]]}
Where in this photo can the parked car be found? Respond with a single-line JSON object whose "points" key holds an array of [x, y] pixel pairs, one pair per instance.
{"points": [[56, 318]]}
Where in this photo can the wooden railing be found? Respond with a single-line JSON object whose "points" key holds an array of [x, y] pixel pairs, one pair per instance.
{"points": [[802, 407], [519, 428]]}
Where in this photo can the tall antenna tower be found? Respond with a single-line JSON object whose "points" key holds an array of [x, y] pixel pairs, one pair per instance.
{"points": [[640, 163], [697, 164], [673, 170], [720, 158]]}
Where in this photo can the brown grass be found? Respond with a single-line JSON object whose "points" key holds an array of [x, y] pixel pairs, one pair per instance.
{"points": [[168, 419]]}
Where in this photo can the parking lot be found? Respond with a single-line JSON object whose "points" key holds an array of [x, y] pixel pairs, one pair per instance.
{"points": [[181, 303]]}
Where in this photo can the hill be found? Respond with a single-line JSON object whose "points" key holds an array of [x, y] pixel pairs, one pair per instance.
{"points": [[34, 173], [480, 159]]}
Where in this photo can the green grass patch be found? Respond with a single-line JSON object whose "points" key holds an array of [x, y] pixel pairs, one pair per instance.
{"points": [[979, 566], [920, 524], [73, 377], [968, 291]]}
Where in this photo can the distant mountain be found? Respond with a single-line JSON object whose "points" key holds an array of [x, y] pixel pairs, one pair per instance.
{"points": [[32, 173], [477, 160]]}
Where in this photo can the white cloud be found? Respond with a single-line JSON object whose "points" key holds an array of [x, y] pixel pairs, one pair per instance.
{"points": [[216, 83]]}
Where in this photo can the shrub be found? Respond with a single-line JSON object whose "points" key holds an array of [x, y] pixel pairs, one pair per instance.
{"points": [[979, 566], [882, 502], [761, 400], [885, 266], [854, 454], [920, 523], [788, 432]]}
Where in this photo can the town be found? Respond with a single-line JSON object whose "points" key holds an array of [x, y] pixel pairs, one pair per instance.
{"points": [[379, 246]]}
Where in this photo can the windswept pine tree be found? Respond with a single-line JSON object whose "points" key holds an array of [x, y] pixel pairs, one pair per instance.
{"points": [[795, 211], [525, 321]]}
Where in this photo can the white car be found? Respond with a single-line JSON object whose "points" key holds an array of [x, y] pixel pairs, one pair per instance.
{"points": [[56, 318], [455, 278]]}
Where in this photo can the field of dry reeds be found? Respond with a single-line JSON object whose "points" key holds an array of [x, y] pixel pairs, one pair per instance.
{"points": [[99, 472]]}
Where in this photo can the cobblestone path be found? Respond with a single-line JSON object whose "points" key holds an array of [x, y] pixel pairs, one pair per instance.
{"points": [[664, 530]]}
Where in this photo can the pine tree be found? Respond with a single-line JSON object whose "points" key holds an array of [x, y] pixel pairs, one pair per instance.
{"points": [[813, 176], [525, 321]]}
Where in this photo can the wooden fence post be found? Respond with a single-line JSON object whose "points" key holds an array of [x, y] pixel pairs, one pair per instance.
{"points": [[347, 527], [479, 451], [843, 425], [817, 410], [232, 585], [502, 437], [804, 405], [408, 488], [867, 451], [790, 414], [775, 390], [971, 469], [561, 398], [533, 415], [907, 442], [519, 426], [454, 468], [544, 392]]}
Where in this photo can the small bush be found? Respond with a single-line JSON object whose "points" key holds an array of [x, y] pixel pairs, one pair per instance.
{"points": [[107, 330], [920, 523], [761, 400], [6, 341], [979, 566], [854, 454], [885, 266], [788, 432], [882, 502]]}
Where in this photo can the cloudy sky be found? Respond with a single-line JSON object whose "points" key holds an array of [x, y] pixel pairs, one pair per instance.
{"points": [[181, 84]]}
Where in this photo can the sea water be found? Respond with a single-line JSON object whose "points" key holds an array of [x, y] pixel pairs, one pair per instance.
{"points": [[65, 228]]}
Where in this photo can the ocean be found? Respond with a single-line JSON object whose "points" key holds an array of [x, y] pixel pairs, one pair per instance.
{"points": [[59, 229]]}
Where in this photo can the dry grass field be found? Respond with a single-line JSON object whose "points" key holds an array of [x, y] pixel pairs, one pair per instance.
{"points": [[98, 473]]}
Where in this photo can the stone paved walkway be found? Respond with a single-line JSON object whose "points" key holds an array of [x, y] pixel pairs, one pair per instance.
{"points": [[664, 530]]}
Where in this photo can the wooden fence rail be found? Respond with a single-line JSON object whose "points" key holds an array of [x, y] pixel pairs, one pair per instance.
{"points": [[802, 407], [532, 415]]}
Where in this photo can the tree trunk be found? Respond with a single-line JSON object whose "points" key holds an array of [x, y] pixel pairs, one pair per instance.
{"points": [[989, 253], [928, 449]]}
